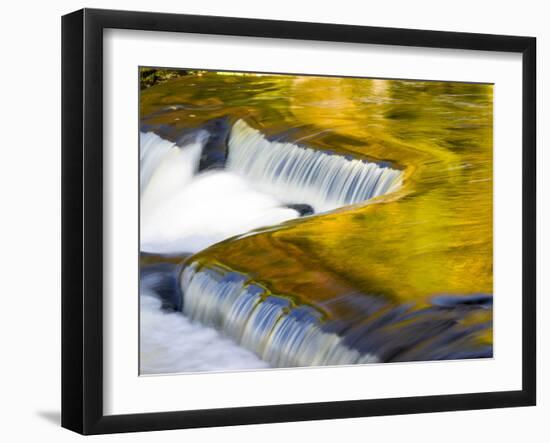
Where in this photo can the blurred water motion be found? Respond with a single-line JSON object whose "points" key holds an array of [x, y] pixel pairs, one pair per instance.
{"points": [[405, 276]]}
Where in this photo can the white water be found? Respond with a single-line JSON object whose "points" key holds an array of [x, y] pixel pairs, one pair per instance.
{"points": [[268, 325], [304, 175], [182, 211], [171, 343]]}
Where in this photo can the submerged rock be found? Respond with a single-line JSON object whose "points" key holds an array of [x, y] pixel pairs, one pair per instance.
{"points": [[214, 153], [162, 280], [213, 134], [348, 329], [457, 301], [302, 208]]}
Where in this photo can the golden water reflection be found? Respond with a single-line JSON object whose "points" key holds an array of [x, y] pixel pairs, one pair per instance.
{"points": [[434, 236]]}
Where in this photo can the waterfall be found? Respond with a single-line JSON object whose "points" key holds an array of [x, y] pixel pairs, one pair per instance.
{"points": [[271, 326], [184, 211], [164, 166], [171, 343], [284, 333], [304, 175]]}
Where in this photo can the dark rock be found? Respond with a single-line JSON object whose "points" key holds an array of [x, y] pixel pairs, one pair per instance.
{"points": [[162, 279], [395, 333], [302, 208], [457, 301], [214, 134], [214, 153]]}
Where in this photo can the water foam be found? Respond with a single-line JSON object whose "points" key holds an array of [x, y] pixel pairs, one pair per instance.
{"points": [[172, 343], [184, 212]]}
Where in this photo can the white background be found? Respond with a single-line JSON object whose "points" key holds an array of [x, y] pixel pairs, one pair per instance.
{"points": [[30, 235]]}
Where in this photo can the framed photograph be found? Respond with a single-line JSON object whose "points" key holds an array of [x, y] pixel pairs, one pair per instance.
{"points": [[269, 221]]}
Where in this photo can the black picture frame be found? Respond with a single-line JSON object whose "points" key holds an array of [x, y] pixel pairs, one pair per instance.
{"points": [[82, 220]]}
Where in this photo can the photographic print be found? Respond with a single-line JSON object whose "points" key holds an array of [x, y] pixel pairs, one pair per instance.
{"points": [[292, 220]]}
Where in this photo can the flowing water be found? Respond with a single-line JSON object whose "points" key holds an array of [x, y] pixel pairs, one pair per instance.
{"points": [[317, 221], [303, 175], [182, 211]]}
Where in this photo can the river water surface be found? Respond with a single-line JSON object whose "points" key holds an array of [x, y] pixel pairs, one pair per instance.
{"points": [[317, 221]]}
